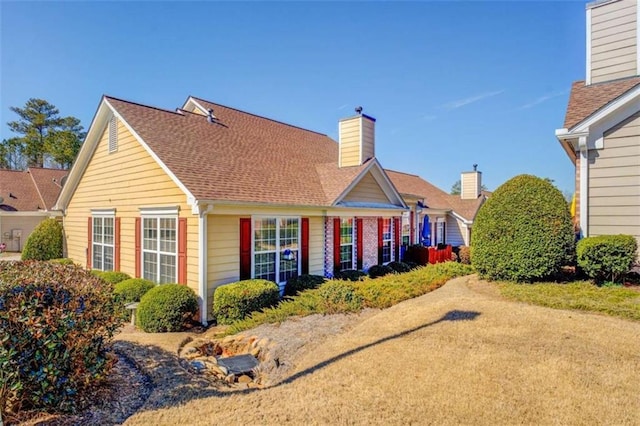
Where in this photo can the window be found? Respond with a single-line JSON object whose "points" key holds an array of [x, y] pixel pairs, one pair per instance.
{"points": [[160, 249], [440, 230], [276, 253], [113, 134], [406, 229], [346, 243], [386, 240], [102, 246]]}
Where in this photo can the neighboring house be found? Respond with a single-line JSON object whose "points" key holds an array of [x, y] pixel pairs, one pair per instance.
{"points": [[207, 195], [26, 198], [450, 217], [601, 133]]}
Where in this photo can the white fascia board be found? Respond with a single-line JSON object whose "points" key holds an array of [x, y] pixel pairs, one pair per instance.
{"points": [[191, 199], [98, 124], [460, 218], [381, 178], [628, 101], [196, 104], [39, 213]]}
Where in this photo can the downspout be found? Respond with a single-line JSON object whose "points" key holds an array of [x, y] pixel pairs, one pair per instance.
{"points": [[584, 187], [203, 259]]}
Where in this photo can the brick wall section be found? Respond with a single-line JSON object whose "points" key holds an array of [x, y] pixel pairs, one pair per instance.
{"points": [[370, 242], [328, 247]]}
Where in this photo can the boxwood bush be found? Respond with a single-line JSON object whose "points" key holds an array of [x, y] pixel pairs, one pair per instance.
{"points": [[166, 307], [607, 257], [349, 275], [523, 232], [113, 277], [302, 282], [399, 267], [56, 322], [233, 302], [45, 242], [132, 290], [379, 271]]}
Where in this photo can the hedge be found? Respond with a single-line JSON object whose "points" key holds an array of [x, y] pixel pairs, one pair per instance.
{"points": [[232, 302], [166, 307], [45, 242], [606, 257]]}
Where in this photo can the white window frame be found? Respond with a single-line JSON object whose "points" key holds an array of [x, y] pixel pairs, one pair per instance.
{"points": [[406, 220], [157, 214], [278, 248], [101, 215], [440, 230], [352, 243], [389, 241]]}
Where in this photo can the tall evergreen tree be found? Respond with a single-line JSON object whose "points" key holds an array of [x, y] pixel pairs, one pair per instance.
{"points": [[11, 156], [44, 135]]}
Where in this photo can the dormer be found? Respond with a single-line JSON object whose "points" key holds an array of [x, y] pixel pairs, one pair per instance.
{"points": [[612, 40]]}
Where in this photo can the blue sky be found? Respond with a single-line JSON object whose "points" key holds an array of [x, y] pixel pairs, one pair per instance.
{"points": [[450, 83]]}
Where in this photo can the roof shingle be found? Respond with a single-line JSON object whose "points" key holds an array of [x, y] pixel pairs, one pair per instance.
{"points": [[30, 190]]}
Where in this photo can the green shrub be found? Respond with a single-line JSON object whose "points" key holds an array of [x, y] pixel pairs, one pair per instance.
{"points": [[233, 302], [411, 265], [464, 255], [166, 307], [349, 275], [62, 261], [399, 267], [55, 325], [523, 232], [113, 277], [45, 242], [607, 257], [302, 282], [339, 296], [132, 290], [379, 271]]}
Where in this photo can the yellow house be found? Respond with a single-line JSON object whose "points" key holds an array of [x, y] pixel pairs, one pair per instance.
{"points": [[206, 195]]}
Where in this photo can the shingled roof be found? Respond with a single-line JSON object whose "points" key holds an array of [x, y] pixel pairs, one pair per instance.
{"points": [[34, 189], [241, 157], [586, 100], [434, 197]]}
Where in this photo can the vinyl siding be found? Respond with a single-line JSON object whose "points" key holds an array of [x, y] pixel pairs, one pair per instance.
{"points": [[9, 222], [614, 181], [126, 180], [455, 232], [223, 245], [614, 41], [350, 142], [470, 185], [367, 190], [368, 139]]}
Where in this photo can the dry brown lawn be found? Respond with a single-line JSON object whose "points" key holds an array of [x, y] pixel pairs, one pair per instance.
{"points": [[459, 355]]}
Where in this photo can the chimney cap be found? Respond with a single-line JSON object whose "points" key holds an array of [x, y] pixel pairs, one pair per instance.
{"points": [[359, 110], [475, 167]]}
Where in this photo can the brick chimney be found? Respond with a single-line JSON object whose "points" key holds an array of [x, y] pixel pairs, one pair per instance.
{"points": [[471, 184], [356, 139], [612, 41]]}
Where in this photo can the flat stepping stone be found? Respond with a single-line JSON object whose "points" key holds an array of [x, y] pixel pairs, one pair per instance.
{"points": [[239, 364]]}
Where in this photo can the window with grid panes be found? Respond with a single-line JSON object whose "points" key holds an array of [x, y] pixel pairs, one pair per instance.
{"points": [[160, 249], [276, 248], [346, 243], [102, 243], [386, 240]]}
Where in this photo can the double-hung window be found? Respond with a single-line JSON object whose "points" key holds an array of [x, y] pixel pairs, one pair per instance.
{"points": [[440, 231], [406, 229], [160, 246], [102, 240], [346, 243], [276, 248], [386, 240]]}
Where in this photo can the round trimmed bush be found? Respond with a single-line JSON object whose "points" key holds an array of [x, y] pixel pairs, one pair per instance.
{"points": [[379, 271], [235, 301], [302, 282], [349, 275], [606, 257], [166, 307], [132, 290], [45, 242], [399, 267], [113, 277], [523, 232]]}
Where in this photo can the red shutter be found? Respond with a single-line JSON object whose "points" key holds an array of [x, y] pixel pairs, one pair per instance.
{"points": [[359, 243], [411, 228], [138, 231], [336, 244], [304, 249], [116, 244], [182, 250], [397, 231], [89, 241], [245, 248], [380, 227]]}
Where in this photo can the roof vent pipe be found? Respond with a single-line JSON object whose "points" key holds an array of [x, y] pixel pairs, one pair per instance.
{"points": [[210, 116]]}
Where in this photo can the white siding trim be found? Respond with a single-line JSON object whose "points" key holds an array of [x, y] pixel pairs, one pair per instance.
{"points": [[203, 260], [588, 44], [584, 185], [361, 141], [637, 38]]}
